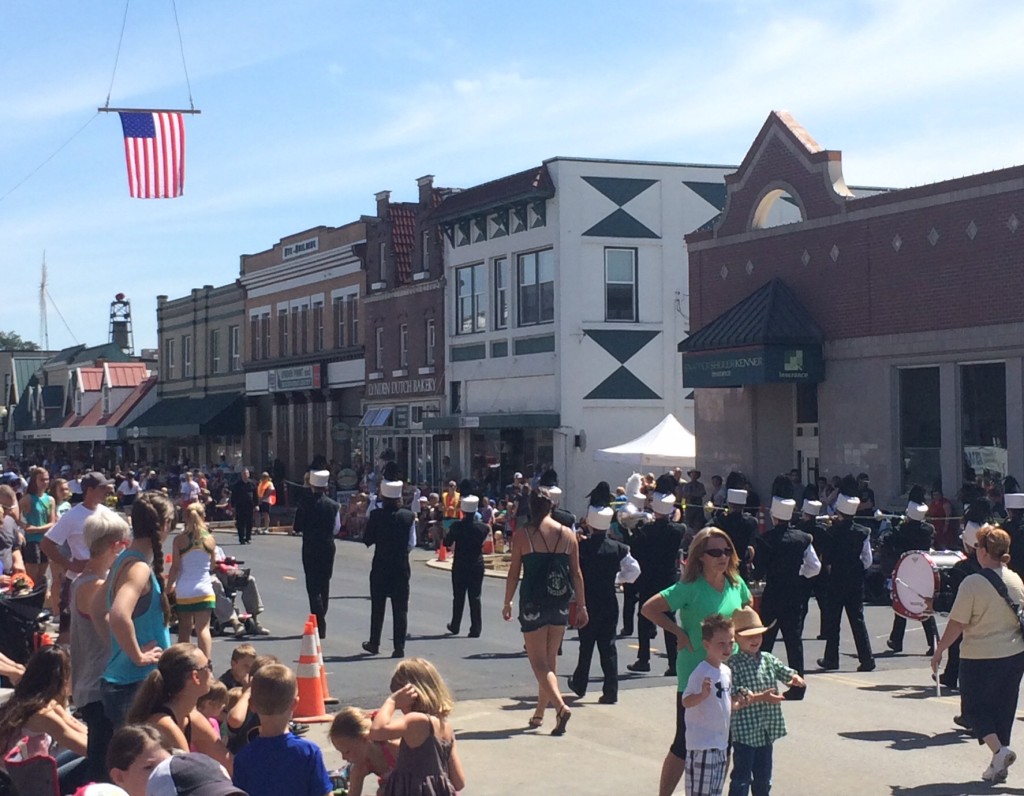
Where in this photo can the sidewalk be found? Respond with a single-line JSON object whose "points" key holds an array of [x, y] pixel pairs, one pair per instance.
{"points": [[877, 733]]}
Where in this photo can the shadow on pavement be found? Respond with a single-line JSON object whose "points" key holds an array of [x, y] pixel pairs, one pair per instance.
{"points": [[435, 637], [952, 789], [351, 597], [359, 656], [902, 740], [491, 735], [487, 656], [906, 691]]}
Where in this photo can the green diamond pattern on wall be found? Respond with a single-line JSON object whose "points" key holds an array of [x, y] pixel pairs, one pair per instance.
{"points": [[622, 344], [620, 223]]}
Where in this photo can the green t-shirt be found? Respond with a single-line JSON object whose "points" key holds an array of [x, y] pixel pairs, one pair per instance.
{"points": [[695, 602]]}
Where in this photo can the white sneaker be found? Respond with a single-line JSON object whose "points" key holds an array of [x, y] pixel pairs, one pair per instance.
{"points": [[1001, 762]]}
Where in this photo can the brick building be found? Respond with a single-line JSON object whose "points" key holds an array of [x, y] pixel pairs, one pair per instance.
{"points": [[404, 323], [303, 353], [198, 418], [880, 333]]}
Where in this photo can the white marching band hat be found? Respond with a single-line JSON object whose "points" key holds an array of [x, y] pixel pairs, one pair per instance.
{"points": [[916, 511], [812, 507], [737, 497], [783, 508], [391, 489], [847, 505], [664, 504], [319, 478], [469, 504], [599, 519], [970, 535], [1014, 500]]}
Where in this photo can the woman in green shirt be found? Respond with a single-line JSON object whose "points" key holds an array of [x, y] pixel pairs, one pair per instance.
{"points": [[710, 584]]}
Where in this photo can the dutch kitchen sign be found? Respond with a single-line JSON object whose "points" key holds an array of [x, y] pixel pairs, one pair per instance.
{"points": [[389, 389]]}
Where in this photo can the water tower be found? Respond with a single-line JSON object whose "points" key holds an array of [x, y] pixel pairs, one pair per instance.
{"points": [[121, 324]]}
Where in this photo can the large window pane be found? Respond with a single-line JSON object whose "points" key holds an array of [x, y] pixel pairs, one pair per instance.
{"points": [[983, 419], [536, 276], [501, 293], [920, 427]]}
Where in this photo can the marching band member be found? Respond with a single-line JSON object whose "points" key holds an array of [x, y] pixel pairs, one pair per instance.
{"points": [[912, 534]]}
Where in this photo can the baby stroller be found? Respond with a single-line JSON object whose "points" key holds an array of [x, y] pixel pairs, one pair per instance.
{"points": [[22, 622]]}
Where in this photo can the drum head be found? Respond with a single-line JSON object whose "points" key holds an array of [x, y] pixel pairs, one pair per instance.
{"points": [[914, 579]]}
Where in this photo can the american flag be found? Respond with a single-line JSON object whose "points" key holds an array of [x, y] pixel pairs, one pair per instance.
{"points": [[154, 147]]}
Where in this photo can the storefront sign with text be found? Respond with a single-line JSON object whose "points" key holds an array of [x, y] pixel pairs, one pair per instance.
{"points": [[386, 389]]}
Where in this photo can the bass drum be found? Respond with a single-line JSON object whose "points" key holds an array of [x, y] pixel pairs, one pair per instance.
{"points": [[915, 581]]}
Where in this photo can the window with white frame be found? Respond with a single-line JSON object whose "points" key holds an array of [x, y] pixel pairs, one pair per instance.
{"points": [[282, 332], [338, 304], [255, 338], [383, 261], [295, 329], [501, 292], [169, 359], [318, 326], [235, 352], [215, 351], [352, 312], [265, 333], [430, 338], [471, 299], [186, 355], [620, 285], [536, 280], [425, 254], [379, 348], [304, 328], [403, 346]]}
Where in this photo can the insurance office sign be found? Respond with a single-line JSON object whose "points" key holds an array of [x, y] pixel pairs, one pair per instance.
{"points": [[756, 365]]}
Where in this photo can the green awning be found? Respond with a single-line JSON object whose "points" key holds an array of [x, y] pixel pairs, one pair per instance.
{"points": [[767, 337], [217, 415]]}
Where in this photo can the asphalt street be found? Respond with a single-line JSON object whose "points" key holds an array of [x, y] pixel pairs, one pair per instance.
{"points": [[883, 732]]}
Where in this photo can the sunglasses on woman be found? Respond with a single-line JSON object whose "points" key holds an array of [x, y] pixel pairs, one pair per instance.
{"points": [[717, 552]]}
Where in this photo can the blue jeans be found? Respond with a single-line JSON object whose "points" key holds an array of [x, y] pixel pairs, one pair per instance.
{"points": [[751, 770], [117, 700]]}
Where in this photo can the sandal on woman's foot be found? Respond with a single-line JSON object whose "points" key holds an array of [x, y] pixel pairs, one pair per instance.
{"points": [[563, 718], [536, 720]]}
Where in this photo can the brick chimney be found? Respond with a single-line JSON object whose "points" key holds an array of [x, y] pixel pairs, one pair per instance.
{"points": [[382, 197], [426, 184]]}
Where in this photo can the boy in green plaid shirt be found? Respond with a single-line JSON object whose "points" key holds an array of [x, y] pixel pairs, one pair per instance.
{"points": [[755, 728]]}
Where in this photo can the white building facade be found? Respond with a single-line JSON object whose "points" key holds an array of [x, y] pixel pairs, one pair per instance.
{"points": [[566, 297]]}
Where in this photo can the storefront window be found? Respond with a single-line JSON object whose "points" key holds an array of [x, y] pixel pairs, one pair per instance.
{"points": [[920, 428], [496, 454], [983, 419]]}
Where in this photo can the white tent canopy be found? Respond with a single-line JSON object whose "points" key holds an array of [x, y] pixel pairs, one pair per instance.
{"points": [[668, 444]]}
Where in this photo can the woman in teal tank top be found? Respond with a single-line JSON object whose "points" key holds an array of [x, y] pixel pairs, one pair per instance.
{"points": [[38, 512], [138, 607]]}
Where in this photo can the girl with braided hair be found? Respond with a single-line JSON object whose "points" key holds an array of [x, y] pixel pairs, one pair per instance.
{"points": [[138, 610]]}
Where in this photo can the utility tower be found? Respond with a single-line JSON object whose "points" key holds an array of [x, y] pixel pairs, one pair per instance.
{"points": [[121, 324]]}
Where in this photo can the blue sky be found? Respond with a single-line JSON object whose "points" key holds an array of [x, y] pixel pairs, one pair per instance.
{"points": [[309, 108]]}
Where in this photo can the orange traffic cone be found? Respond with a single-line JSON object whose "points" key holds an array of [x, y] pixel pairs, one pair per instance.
{"points": [[328, 699], [442, 553], [311, 698]]}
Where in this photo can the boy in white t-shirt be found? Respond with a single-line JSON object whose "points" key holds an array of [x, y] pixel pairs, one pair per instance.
{"points": [[709, 703]]}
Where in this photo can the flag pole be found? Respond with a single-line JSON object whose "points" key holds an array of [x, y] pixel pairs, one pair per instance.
{"points": [[146, 110]]}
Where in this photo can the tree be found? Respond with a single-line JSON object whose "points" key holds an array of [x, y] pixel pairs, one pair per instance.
{"points": [[11, 341]]}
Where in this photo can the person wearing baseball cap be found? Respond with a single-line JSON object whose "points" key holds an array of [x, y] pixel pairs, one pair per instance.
{"points": [[191, 774]]}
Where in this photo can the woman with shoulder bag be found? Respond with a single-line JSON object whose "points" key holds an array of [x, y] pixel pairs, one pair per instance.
{"points": [[985, 613], [548, 555]]}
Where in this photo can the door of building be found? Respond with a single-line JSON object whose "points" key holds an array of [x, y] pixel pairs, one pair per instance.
{"points": [[806, 448]]}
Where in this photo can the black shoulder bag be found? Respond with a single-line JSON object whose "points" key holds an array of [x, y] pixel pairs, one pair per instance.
{"points": [[1000, 587]]}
